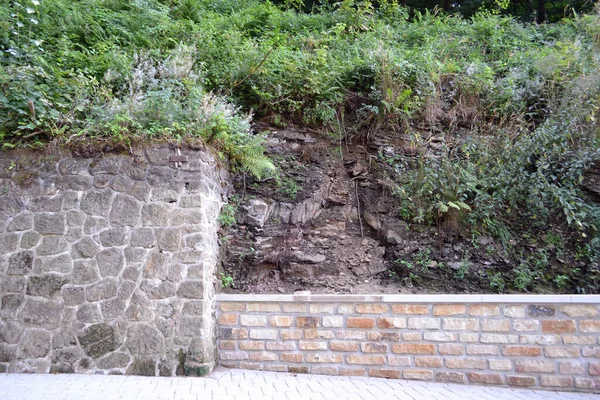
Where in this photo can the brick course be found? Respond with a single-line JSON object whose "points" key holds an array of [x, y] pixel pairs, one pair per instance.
{"points": [[525, 345]]}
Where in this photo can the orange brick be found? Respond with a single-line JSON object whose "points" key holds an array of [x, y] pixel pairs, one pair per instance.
{"points": [[527, 351], [325, 358], [364, 323], [431, 362], [307, 322], [385, 373], [263, 307], [484, 310], [450, 349], [291, 335], [514, 380], [352, 372], [388, 323], [449, 309], [371, 308], [281, 321], [228, 319], [566, 326], [262, 356], [418, 374], [231, 306], [251, 345], [365, 360], [374, 347], [490, 379], [338, 345], [413, 348], [410, 309], [227, 345], [291, 357]]}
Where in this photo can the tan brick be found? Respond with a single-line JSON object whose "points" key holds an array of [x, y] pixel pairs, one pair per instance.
{"points": [[495, 325], [233, 355], [544, 340], [332, 321], [321, 308], [450, 349], [307, 322], [263, 307], [562, 352], [231, 306], [371, 308], [500, 365], [269, 334], [295, 307], [526, 325], [324, 370], [526, 351], [312, 346], [397, 361], [484, 310], [345, 308], [449, 309], [374, 347], [297, 369], [385, 373], [579, 339], [429, 362], [249, 365], [516, 380], [291, 334], [556, 381], [312, 334], [229, 364], [594, 369], [418, 374], [284, 321], [262, 356], [465, 363], [589, 326], [579, 310], [339, 345], [406, 309], [281, 346], [384, 336], [228, 319], [291, 357], [412, 336], [227, 345], [479, 349], [440, 336], [454, 377], [469, 337], [423, 323], [514, 311], [461, 324], [591, 352], [325, 358], [587, 383], [352, 372], [251, 345], [571, 368], [498, 338], [233, 333], [558, 326], [276, 368], [253, 320], [389, 323], [350, 335], [480, 377], [534, 366], [363, 323], [365, 360], [413, 348]]}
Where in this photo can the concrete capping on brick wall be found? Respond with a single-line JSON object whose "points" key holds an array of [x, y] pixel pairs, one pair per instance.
{"points": [[536, 341]]}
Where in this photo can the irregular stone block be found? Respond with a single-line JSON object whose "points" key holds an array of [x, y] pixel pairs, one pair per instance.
{"points": [[195, 308], [84, 272], [7, 353], [139, 190], [125, 211], [46, 285], [12, 284], [126, 290], [62, 264], [161, 193], [89, 313], [191, 290], [108, 164], [113, 237], [49, 224], [98, 340], [121, 184], [143, 237], [43, 313], [187, 217], [157, 289], [143, 367], [10, 304], [75, 218], [52, 245], [131, 273], [76, 182], [63, 338], [10, 332], [45, 204], [20, 263], [30, 239], [94, 225], [189, 326], [21, 222], [135, 254], [8, 243], [536, 311], [156, 266], [70, 200], [168, 239], [155, 215], [35, 344], [96, 202], [66, 358], [113, 360], [110, 262], [191, 201], [113, 308], [104, 289], [74, 166], [144, 339], [73, 296]]}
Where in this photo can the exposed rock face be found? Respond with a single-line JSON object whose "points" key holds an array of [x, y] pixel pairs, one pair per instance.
{"points": [[107, 264]]}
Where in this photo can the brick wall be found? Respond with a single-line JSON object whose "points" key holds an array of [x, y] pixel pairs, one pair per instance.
{"points": [[529, 344]]}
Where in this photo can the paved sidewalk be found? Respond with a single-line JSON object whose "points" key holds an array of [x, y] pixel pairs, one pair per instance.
{"points": [[241, 384]]}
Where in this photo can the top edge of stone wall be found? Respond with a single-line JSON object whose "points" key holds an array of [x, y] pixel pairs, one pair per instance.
{"points": [[413, 298]]}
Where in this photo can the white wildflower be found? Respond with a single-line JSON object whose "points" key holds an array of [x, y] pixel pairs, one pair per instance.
{"points": [[30, 10]]}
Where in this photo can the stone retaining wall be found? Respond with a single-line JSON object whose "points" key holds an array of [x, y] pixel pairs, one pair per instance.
{"points": [[550, 342], [107, 263]]}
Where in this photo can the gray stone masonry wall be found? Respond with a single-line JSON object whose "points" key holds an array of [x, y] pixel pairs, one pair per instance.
{"points": [[107, 263]]}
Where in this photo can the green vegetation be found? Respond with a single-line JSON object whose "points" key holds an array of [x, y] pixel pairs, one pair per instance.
{"points": [[503, 113]]}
